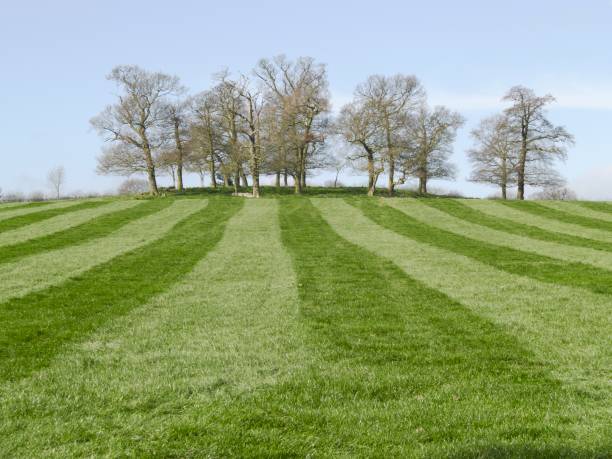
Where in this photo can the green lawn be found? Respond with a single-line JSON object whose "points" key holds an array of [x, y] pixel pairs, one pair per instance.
{"points": [[328, 325]]}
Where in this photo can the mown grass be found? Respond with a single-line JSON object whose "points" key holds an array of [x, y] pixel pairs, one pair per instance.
{"points": [[27, 219], [300, 327], [515, 261], [598, 206], [548, 212], [33, 327], [19, 205], [395, 370], [100, 227], [462, 211]]}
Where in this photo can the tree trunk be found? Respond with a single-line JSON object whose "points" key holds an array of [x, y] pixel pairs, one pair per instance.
{"points": [[303, 177], [423, 185], [179, 163], [372, 187], [226, 181], [277, 179], [285, 178], [391, 179], [236, 181], [213, 172], [297, 183], [151, 172], [521, 166], [245, 182], [503, 191]]}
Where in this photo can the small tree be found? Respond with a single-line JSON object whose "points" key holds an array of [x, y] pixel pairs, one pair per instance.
{"points": [[539, 141], [56, 177], [430, 136], [133, 186], [494, 157]]}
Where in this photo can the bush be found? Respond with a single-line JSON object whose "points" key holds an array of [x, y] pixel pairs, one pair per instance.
{"points": [[133, 186], [36, 196], [562, 193]]}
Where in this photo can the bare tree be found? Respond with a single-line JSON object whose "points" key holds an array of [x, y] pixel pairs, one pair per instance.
{"points": [[136, 119], [392, 99], [205, 141], [540, 142], [430, 135], [299, 93], [56, 178], [494, 157], [176, 122], [133, 186], [358, 125], [560, 193]]}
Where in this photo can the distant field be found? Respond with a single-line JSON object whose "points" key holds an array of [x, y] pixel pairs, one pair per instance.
{"points": [[323, 326]]}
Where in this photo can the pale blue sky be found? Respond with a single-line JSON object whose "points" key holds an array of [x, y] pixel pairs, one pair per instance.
{"points": [[55, 55]]}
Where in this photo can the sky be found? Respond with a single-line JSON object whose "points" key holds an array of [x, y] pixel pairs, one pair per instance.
{"points": [[55, 56]]}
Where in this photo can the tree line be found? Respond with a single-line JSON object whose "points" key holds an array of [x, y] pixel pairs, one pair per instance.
{"points": [[276, 120]]}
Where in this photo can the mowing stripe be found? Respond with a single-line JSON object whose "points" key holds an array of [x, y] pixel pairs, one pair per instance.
{"points": [[571, 328], [227, 327], [400, 365], [20, 205], [536, 208], [514, 261], [34, 327], [573, 208], [61, 222], [101, 226], [45, 269], [464, 212], [28, 219], [600, 206], [36, 207], [392, 367], [427, 213], [499, 211]]}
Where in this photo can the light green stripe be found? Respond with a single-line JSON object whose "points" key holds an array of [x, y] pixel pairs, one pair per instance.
{"points": [[30, 210], [62, 222], [497, 209], [5, 205], [577, 209], [570, 327], [434, 217], [45, 269], [230, 326]]}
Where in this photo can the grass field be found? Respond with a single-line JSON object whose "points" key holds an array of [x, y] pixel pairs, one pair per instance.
{"points": [[328, 325]]}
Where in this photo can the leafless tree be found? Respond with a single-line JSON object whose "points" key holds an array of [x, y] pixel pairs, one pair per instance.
{"points": [[358, 125], [540, 142], [560, 193], [393, 99], [176, 122], [430, 134], [494, 157], [122, 159], [205, 138], [133, 186], [56, 178], [299, 93], [136, 119]]}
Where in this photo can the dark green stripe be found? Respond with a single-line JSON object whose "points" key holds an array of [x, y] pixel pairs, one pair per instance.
{"points": [[514, 261], [396, 368], [34, 327], [544, 211], [28, 219], [98, 227], [464, 212], [25, 206]]}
